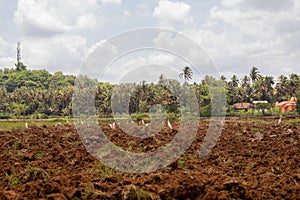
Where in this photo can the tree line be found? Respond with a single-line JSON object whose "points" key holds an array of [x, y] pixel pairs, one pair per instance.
{"points": [[28, 93]]}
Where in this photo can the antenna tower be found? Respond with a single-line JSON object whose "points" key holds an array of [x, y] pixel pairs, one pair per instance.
{"points": [[19, 53]]}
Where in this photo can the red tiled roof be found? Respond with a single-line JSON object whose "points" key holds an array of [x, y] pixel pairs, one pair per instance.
{"points": [[242, 105]]}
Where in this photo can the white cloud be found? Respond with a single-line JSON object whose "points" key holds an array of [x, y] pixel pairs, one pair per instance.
{"points": [[263, 5], [4, 48], [111, 1], [7, 58], [7, 62], [98, 57], [127, 13], [60, 52], [144, 8], [143, 66], [173, 13], [237, 34], [54, 17], [240, 34]]}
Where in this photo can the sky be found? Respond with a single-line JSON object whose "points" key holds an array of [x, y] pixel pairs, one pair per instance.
{"points": [[236, 34]]}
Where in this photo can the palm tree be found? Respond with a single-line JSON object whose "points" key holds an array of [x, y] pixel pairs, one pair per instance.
{"points": [[186, 74], [263, 89], [269, 82], [293, 84], [254, 74], [282, 88], [222, 78], [232, 88], [234, 81], [245, 81], [245, 90]]}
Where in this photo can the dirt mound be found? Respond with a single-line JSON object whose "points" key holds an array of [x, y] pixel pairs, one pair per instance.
{"points": [[251, 160]]}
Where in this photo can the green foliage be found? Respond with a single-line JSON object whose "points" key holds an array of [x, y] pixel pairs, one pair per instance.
{"points": [[205, 111], [262, 106], [187, 74], [4, 116], [292, 121], [181, 163], [276, 111], [34, 93], [38, 94], [298, 102], [140, 116], [20, 66], [16, 145], [173, 117], [32, 173], [13, 179], [102, 170], [40, 155]]}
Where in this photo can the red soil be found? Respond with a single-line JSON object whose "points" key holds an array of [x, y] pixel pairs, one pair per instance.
{"points": [[250, 161]]}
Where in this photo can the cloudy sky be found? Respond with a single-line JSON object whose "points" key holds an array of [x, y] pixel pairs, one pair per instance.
{"points": [[236, 34]]}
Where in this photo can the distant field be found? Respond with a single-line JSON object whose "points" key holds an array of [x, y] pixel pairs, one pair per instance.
{"points": [[16, 124]]}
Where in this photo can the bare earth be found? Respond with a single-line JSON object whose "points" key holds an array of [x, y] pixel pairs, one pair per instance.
{"points": [[251, 160]]}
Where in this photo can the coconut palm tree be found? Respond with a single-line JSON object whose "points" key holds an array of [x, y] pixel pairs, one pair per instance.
{"points": [[263, 89], [232, 88], [282, 88], [223, 78], [269, 82], [187, 74], [254, 74], [245, 90], [234, 81], [293, 84]]}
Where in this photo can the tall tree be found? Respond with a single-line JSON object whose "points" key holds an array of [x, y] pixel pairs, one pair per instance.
{"points": [[254, 74], [263, 89], [298, 102], [222, 78], [245, 90], [20, 66], [293, 84], [281, 88], [187, 74], [234, 82], [233, 90]]}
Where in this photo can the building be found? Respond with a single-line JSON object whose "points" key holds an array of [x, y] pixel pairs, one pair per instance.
{"points": [[260, 102], [287, 106], [242, 106]]}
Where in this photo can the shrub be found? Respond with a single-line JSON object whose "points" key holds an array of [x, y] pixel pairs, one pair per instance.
{"points": [[205, 111], [4, 116]]}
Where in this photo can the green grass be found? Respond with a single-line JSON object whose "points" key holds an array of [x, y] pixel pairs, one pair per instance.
{"points": [[40, 155], [12, 179], [262, 121], [16, 124], [16, 145], [181, 163], [292, 121], [259, 121], [102, 170]]}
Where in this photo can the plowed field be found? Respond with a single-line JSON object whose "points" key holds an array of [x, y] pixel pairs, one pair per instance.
{"points": [[251, 160]]}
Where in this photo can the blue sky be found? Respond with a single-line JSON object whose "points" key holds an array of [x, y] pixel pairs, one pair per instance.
{"points": [[236, 34]]}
